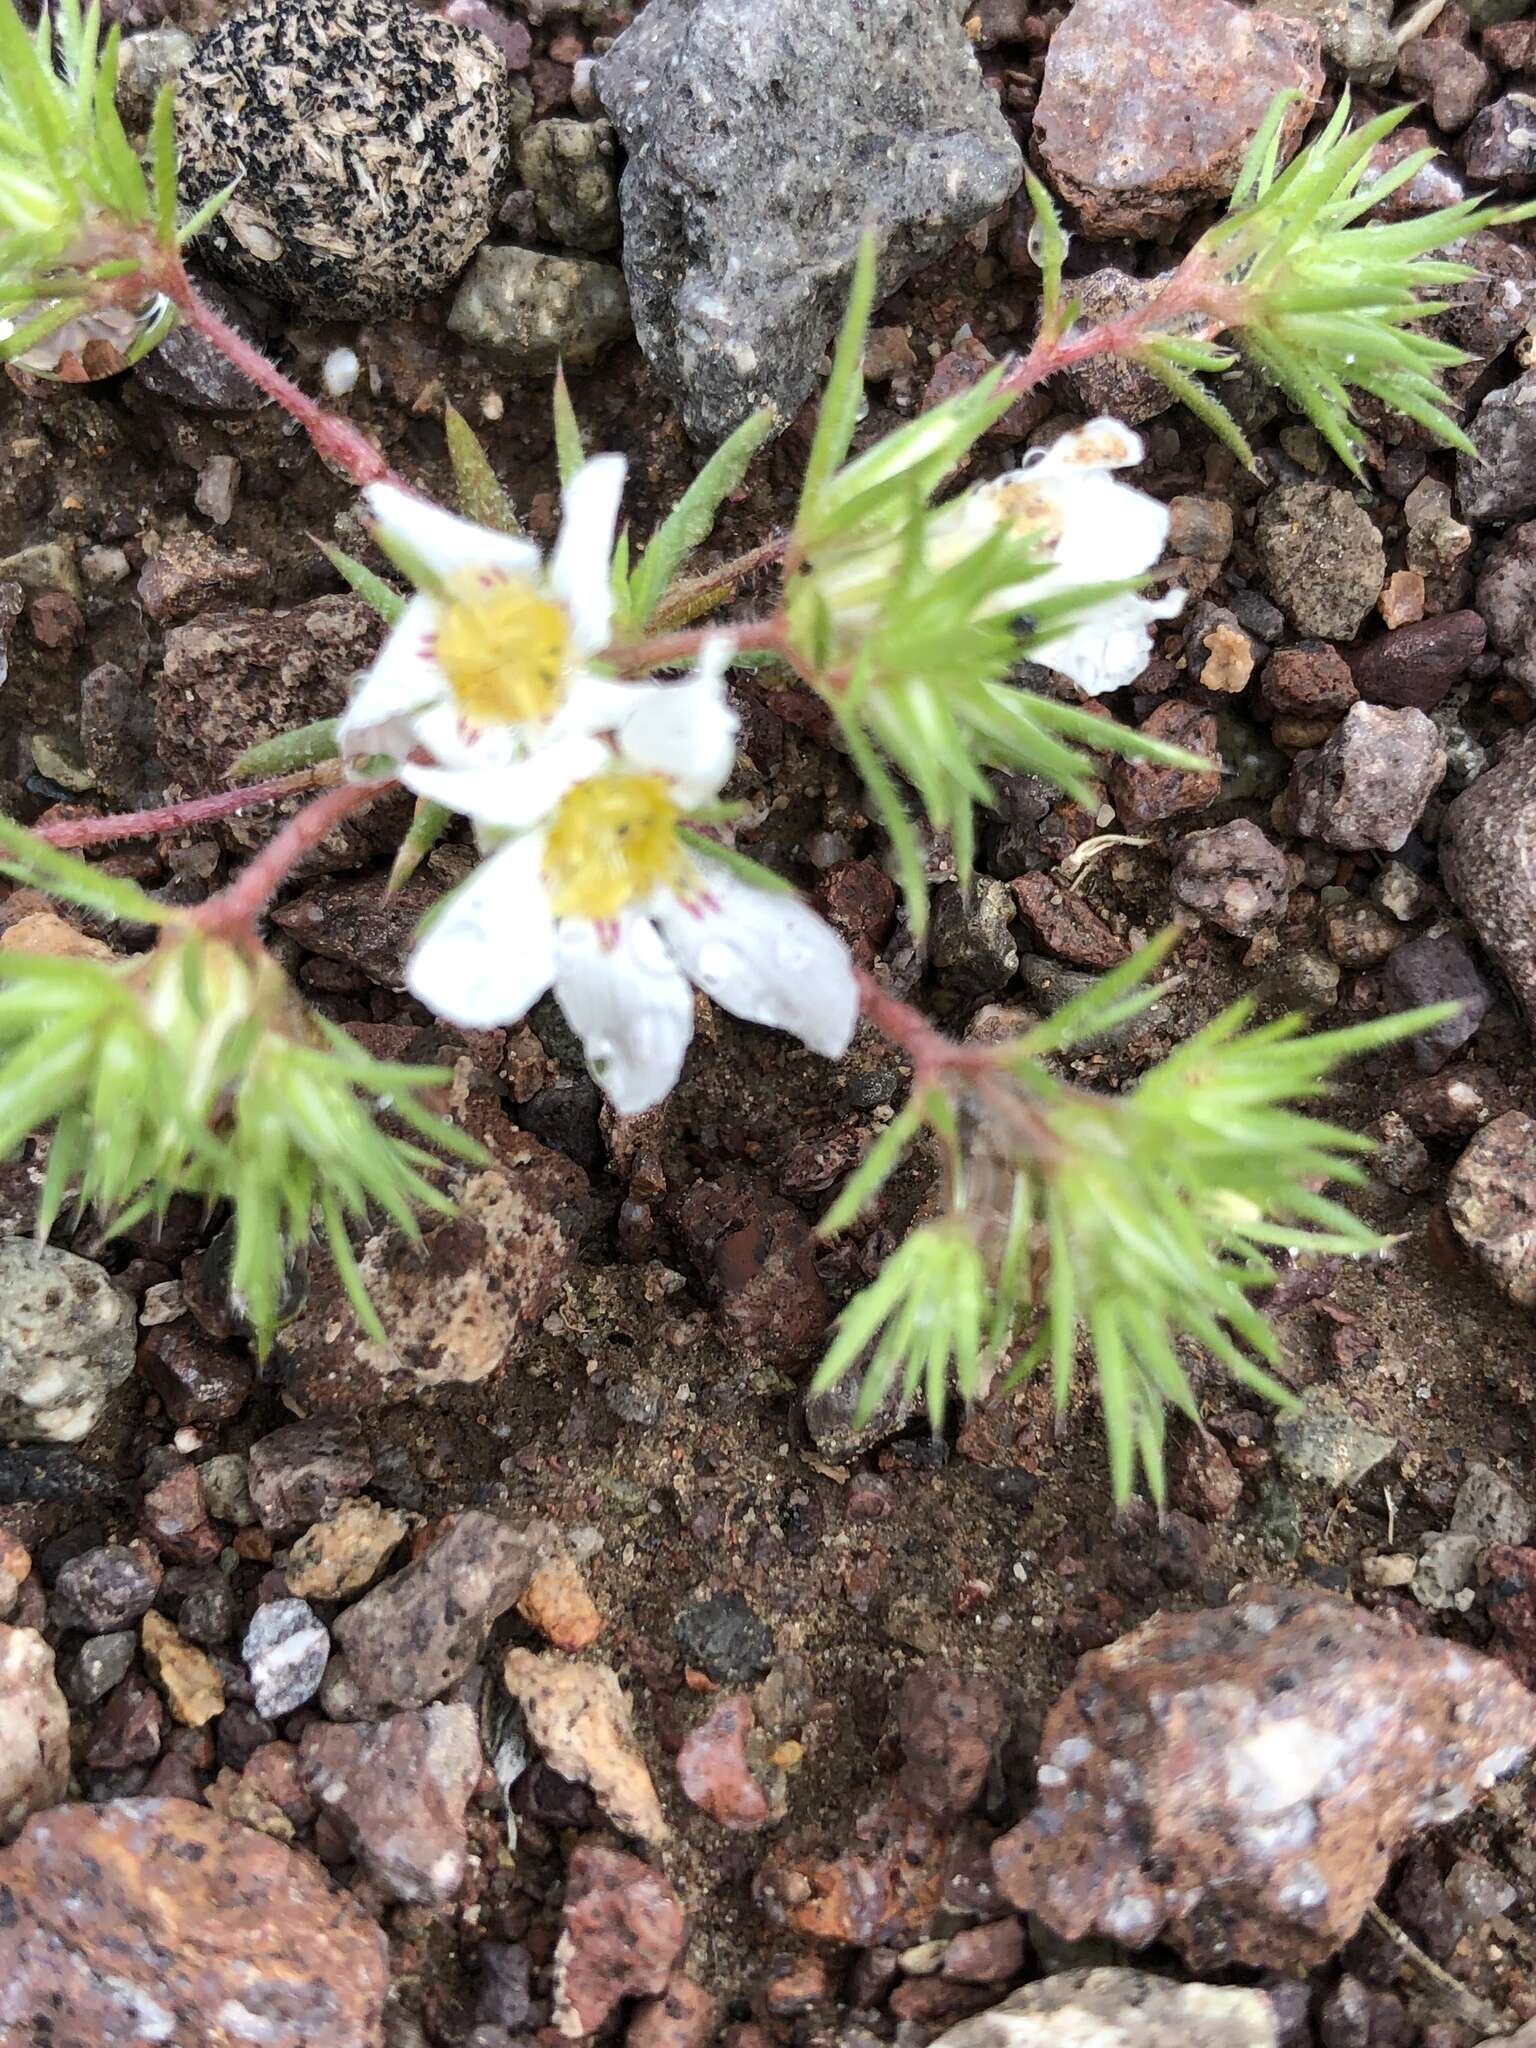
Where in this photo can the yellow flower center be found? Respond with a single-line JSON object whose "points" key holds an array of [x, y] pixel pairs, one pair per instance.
{"points": [[1030, 510], [613, 840], [503, 647]]}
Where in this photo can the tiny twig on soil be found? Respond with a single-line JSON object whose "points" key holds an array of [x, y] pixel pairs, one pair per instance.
{"points": [[162, 819], [234, 911], [1477, 2012], [333, 437]]}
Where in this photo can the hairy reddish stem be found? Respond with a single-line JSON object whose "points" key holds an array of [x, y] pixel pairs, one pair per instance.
{"points": [[234, 910], [333, 437], [1191, 295], [933, 1056], [197, 810]]}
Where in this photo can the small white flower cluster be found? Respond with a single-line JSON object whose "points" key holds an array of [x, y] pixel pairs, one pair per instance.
{"points": [[488, 699]]}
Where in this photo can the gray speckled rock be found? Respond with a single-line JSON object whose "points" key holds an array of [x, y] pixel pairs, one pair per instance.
{"points": [[761, 140], [569, 168], [1488, 863], [1321, 558], [372, 141], [66, 1340], [1499, 481], [285, 1650], [397, 1791], [533, 312], [1366, 787]]}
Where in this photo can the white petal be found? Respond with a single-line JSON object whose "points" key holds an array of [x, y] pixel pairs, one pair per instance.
{"points": [[627, 1003], [443, 734], [598, 704], [403, 680], [687, 731], [513, 797], [766, 957], [1110, 646], [441, 541], [1103, 443], [581, 566], [1110, 530], [489, 954]]}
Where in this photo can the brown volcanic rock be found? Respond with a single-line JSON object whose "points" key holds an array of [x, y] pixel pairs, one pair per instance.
{"points": [[154, 1920], [1236, 1782], [1148, 106]]}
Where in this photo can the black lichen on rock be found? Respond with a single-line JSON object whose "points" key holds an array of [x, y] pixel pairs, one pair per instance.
{"points": [[372, 145]]}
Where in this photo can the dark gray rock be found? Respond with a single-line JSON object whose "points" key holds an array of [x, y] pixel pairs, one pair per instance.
{"points": [[1499, 481], [106, 1589], [1506, 600], [761, 141], [1438, 968], [89, 1673], [1501, 143], [724, 1639], [1488, 863]]}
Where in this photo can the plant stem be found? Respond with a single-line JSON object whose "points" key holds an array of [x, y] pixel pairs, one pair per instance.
{"points": [[689, 600], [670, 650], [233, 912], [1191, 301], [333, 437], [934, 1057], [197, 810]]}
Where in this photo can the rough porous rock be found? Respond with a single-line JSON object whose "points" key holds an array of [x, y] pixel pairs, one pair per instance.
{"points": [[397, 1791], [1145, 792], [153, 1920], [1366, 787], [456, 1301], [1147, 107], [34, 1732], [761, 141], [559, 1606], [1236, 1782], [340, 1555], [371, 142], [304, 1470], [621, 1932], [949, 1723], [1491, 1199], [580, 1721], [1120, 2009], [105, 1588], [1065, 925], [682, 2017], [1498, 481], [756, 1255], [1506, 601], [1488, 863], [1322, 558], [1232, 875], [1111, 384], [532, 312], [418, 1632], [66, 1341], [569, 168]]}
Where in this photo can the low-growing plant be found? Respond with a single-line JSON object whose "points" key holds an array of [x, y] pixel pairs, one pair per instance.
{"points": [[573, 708]]}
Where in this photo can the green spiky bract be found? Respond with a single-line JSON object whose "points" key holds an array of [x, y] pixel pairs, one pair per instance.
{"points": [[1142, 1225], [918, 630], [195, 1069], [1325, 303], [79, 215]]}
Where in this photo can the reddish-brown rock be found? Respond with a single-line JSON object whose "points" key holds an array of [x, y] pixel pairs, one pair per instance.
{"points": [[397, 1792], [152, 1920], [888, 1890], [682, 2017], [1308, 682], [1147, 107], [621, 1933], [1065, 925], [1146, 791], [757, 1255], [712, 1766], [949, 1723], [1236, 1782], [1418, 663]]}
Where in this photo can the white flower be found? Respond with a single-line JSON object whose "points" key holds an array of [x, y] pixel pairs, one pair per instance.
{"points": [[599, 897], [1091, 529], [492, 659]]}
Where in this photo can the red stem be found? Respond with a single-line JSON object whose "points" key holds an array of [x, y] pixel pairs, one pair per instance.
{"points": [[234, 910], [932, 1054], [334, 437], [1190, 292], [197, 810]]}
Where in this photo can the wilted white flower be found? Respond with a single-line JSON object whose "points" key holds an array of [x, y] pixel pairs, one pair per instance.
{"points": [[598, 895], [1090, 529], [492, 658]]}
